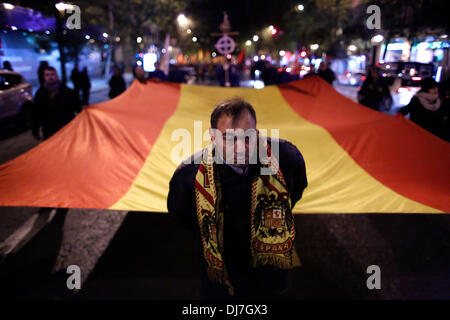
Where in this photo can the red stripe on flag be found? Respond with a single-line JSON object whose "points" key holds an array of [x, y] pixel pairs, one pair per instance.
{"points": [[93, 161], [208, 197], [395, 151]]}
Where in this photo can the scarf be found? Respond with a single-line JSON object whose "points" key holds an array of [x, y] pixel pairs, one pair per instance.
{"points": [[272, 223], [429, 101]]}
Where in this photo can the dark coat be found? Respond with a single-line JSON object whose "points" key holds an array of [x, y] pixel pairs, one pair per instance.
{"points": [[116, 85], [53, 114], [236, 193], [373, 93], [418, 114]]}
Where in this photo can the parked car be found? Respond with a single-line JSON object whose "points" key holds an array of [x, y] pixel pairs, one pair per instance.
{"points": [[352, 78], [15, 99], [404, 78]]}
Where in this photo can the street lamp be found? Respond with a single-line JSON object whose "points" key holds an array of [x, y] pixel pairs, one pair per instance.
{"points": [[194, 39], [300, 7], [8, 6], [139, 39], [182, 20], [282, 53], [105, 35], [376, 40], [376, 43], [255, 38], [314, 46], [62, 7], [248, 43]]}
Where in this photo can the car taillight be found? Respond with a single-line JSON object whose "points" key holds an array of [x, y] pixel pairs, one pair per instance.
{"points": [[416, 78], [363, 78]]}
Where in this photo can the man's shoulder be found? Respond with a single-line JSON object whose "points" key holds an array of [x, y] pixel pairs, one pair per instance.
{"points": [[286, 149], [187, 170]]}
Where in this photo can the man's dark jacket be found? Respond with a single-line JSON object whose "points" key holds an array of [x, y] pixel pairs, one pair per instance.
{"points": [[236, 193], [53, 114]]}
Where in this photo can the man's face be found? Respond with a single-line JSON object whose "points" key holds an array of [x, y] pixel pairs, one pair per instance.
{"points": [[237, 139], [50, 76], [434, 90]]}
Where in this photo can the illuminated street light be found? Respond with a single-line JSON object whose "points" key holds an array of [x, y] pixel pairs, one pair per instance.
{"points": [[248, 43], [214, 54], [139, 39], [87, 37], [274, 31], [282, 53], [270, 28], [300, 7], [117, 39], [62, 7], [105, 35], [194, 39], [8, 6], [189, 31], [314, 46], [182, 20], [352, 47], [255, 38], [377, 39]]}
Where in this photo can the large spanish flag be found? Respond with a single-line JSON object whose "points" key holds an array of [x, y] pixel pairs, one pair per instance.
{"points": [[118, 154]]}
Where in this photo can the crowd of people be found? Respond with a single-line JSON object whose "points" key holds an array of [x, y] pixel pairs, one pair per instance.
{"points": [[429, 108]]}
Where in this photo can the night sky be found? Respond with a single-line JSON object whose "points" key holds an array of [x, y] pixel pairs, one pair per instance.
{"points": [[246, 16]]}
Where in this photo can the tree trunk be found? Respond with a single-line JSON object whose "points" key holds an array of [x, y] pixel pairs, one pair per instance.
{"points": [[59, 39], [110, 41], [166, 57]]}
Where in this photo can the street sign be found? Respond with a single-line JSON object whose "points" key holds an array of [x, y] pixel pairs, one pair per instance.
{"points": [[225, 45]]}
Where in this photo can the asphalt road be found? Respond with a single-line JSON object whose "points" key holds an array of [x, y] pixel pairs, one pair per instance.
{"points": [[137, 255]]}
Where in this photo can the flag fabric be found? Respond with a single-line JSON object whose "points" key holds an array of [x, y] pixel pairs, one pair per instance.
{"points": [[118, 154]]}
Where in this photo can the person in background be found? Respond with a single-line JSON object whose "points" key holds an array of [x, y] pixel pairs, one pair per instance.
{"points": [[116, 83], [75, 77], [158, 73], [85, 85], [325, 72], [374, 92], [423, 106], [54, 105], [7, 65], [229, 202], [140, 74], [42, 66], [441, 118]]}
